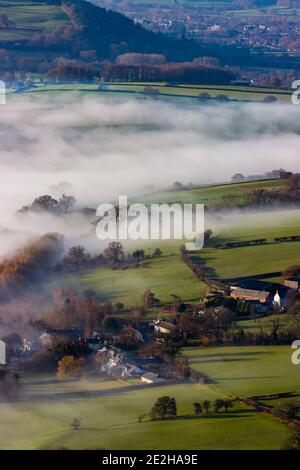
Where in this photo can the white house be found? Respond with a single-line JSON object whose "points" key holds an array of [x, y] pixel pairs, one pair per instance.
{"points": [[130, 370], [163, 327], [277, 300], [150, 378]]}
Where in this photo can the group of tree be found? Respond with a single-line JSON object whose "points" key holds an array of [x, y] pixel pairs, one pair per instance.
{"points": [[288, 193], [291, 271], [149, 300], [292, 442], [30, 264], [191, 263], [128, 338], [218, 405], [165, 350], [164, 407], [46, 203], [69, 366], [179, 72], [113, 256], [52, 358]]}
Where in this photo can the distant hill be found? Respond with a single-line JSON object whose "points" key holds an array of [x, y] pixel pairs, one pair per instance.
{"points": [[75, 39], [111, 33], [70, 26]]}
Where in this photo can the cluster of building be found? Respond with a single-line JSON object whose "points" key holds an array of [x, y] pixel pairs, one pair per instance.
{"points": [[110, 360], [228, 24], [113, 361], [262, 295]]}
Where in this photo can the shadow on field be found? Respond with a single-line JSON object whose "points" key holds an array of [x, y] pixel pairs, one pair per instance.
{"points": [[255, 277], [66, 395], [50, 381], [232, 414], [205, 264], [206, 357], [249, 377], [223, 358]]}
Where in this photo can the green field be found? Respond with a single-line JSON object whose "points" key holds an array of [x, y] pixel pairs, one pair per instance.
{"points": [[165, 91], [111, 422], [268, 260], [164, 276], [248, 370], [212, 196], [169, 275], [32, 15]]}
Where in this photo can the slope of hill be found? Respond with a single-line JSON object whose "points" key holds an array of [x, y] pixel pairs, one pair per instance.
{"points": [[74, 39], [88, 26], [107, 32]]}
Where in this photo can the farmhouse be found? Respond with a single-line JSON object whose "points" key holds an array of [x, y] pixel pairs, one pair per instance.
{"points": [[164, 328], [251, 295], [150, 378], [131, 370], [293, 283]]}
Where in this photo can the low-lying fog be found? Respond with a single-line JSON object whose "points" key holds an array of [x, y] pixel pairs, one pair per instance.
{"points": [[97, 148]]}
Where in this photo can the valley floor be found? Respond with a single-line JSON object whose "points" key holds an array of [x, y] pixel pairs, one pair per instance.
{"points": [[110, 413]]}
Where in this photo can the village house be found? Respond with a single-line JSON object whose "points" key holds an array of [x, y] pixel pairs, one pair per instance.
{"points": [[151, 378], [163, 327], [130, 370], [251, 295], [110, 361], [293, 283]]}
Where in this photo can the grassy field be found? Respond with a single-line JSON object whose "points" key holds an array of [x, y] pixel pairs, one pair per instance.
{"points": [[111, 422], [212, 196], [32, 15], [164, 276], [162, 90], [169, 275], [267, 261], [248, 370]]}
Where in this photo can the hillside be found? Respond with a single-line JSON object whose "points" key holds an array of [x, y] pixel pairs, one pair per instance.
{"points": [[75, 39], [73, 26], [110, 33]]}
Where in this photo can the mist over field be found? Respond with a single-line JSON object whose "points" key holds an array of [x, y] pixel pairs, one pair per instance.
{"points": [[97, 148]]}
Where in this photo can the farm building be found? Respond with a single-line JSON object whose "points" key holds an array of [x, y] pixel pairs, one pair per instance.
{"points": [[150, 378], [131, 370], [164, 328], [293, 283], [251, 295]]}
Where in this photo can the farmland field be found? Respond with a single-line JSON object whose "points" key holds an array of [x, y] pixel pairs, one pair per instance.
{"points": [[111, 422], [164, 276], [212, 196], [162, 90], [268, 260], [169, 275], [248, 370], [32, 15]]}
